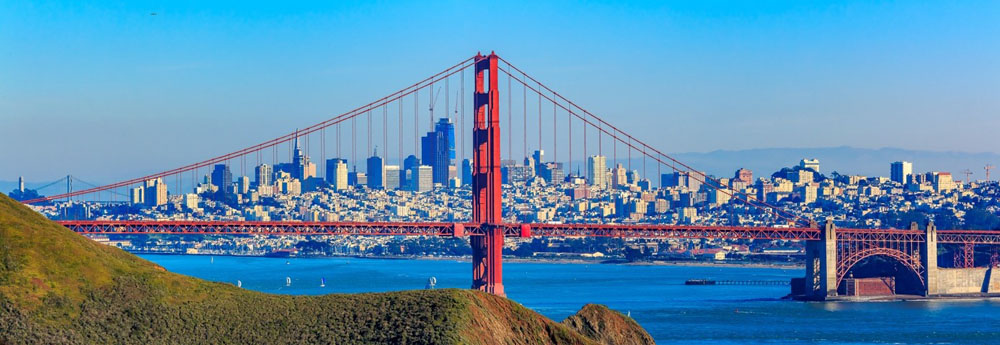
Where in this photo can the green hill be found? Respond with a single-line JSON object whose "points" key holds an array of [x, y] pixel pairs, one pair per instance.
{"points": [[57, 287]]}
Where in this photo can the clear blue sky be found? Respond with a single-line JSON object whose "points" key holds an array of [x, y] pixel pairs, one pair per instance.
{"points": [[104, 90]]}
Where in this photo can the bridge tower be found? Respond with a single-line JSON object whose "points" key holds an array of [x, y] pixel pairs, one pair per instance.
{"points": [[821, 263], [487, 250], [929, 257]]}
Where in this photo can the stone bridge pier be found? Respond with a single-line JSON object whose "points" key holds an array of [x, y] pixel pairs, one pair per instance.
{"points": [[829, 258]]}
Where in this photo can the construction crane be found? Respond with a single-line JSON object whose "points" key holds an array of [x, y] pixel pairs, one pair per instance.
{"points": [[968, 176], [988, 168], [434, 98]]}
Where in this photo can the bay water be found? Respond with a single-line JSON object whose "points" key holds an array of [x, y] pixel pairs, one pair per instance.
{"points": [[654, 295]]}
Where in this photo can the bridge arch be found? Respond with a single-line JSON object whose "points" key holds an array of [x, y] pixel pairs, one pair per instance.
{"points": [[911, 262]]}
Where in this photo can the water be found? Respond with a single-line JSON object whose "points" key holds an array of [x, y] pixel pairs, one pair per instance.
{"points": [[655, 295]]}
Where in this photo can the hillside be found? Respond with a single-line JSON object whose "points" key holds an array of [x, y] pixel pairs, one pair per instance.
{"points": [[57, 287]]}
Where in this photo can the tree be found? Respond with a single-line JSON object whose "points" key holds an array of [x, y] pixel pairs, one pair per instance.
{"points": [[946, 220], [981, 219]]}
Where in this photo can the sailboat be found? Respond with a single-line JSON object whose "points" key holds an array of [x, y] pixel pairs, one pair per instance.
{"points": [[288, 281], [322, 282], [239, 283], [211, 260]]}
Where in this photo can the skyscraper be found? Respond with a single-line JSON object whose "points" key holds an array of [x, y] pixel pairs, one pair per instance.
{"points": [[336, 173], [243, 184], [422, 178], [408, 163], [392, 177], [466, 172], [264, 175], [376, 171], [300, 162], [901, 172], [222, 178], [683, 179], [136, 196], [618, 177], [438, 150], [597, 171], [538, 156], [810, 164], [155, 192]]}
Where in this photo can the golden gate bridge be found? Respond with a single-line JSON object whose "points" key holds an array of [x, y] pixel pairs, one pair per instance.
{"points": [[830, 252]]}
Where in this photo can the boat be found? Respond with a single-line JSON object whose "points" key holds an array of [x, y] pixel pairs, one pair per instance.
{"points": [[288, 281], [239, 283], [322, 282]]}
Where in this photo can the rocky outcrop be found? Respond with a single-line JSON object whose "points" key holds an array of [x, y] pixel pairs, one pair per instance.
{"points": [[607, 326]]}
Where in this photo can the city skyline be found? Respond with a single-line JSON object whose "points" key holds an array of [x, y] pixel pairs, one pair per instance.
{"points": [[173, 105]]}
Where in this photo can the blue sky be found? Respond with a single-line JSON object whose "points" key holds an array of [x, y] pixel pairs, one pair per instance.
{"points": [[104, 90]]}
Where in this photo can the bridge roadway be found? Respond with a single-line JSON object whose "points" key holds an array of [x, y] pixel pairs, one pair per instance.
{"points": [[517, 230]]}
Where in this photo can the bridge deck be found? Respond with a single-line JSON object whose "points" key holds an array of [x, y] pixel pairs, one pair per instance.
{"points": [[510, 229]]}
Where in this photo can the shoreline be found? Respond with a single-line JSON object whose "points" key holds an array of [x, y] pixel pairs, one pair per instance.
{"points": [[526, 260]]}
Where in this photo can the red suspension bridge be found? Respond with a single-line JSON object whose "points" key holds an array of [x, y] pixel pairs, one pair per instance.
{"points": [[831, 252]]}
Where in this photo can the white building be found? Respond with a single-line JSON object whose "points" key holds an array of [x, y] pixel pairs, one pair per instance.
{"points": [[901, 172], [597, 171]]}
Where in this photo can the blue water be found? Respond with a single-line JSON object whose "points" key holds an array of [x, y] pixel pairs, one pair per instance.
{"points": [[655, 295]]}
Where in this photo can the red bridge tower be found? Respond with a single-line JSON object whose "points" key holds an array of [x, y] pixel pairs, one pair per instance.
{"points": [[487, 250]]}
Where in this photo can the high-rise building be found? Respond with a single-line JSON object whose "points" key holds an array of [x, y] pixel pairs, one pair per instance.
{"points": [[301, 168], [243, 184], [438, 150], [743, 175], [408, 163], [155, 192], [618, 177], [552, 172], [20, 184], [222, 177], [466, 172], [632, 176], [807, 163], [376, 171], [597, 171], [943, 182], [682, 179], [336, 173], [901, 172], [529, 163], [136, 196], [538, 155], [264, 175], [421, 178], [392, 177]]}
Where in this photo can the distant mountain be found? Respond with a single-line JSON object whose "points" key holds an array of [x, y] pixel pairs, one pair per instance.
{"points": [[844, 159]]}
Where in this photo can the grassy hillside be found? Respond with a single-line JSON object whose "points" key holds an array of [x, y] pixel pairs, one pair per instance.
{"points": [[57, 287]]}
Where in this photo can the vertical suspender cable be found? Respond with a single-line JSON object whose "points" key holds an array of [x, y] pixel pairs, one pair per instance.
{"points": [[385, 132], [399, 138], [416, 121]]}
